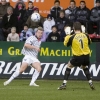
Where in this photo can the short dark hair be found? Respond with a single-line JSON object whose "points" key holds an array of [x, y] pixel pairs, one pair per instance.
{"points": [[25, 25], [73, 1], [77, 26], [1, 0], [54, 26], [83, 2], [62, 11], [97, 1], [56, 1], [30, 2]]}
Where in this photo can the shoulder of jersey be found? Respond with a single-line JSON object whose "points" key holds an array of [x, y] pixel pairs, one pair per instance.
{"points": [[32, 37]]}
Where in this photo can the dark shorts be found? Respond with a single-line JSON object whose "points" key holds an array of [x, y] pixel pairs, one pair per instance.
{"points": [[80, 60]]}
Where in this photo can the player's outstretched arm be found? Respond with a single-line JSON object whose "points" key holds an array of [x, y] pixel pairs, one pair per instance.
{"points": [[66, 40], [68, 32]]}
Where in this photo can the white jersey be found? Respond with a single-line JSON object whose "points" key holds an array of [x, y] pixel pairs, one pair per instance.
{"points": [[32, 40]]}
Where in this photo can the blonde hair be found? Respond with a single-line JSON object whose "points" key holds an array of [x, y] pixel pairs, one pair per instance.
{"points": [[40, 28]]}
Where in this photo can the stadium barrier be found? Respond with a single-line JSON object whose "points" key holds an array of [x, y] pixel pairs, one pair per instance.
{"points": [[53, 57]]}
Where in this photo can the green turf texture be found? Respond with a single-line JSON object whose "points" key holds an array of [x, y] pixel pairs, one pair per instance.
{"points": [[76, 90]]}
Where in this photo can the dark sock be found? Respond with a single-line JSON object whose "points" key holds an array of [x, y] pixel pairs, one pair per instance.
{"points": [[87, 73], [67, 73]]}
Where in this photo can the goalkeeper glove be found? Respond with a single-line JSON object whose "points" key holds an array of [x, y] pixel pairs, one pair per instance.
{"points": [[67, 30], [83, 28]]}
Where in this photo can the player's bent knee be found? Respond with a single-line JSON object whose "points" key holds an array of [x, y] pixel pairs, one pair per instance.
{"points": [[69, 65], [37, 66], [23, 67], [21, 71], [84, 67], [39, 69]]}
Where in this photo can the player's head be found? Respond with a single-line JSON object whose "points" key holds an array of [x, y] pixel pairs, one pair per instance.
{"points": [[39, 32], [77, 26]]}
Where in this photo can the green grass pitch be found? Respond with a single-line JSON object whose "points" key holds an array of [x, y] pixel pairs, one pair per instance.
{"points": [[76, 90]]}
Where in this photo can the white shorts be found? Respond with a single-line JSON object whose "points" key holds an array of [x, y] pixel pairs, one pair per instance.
{"points": [[29, 60]]}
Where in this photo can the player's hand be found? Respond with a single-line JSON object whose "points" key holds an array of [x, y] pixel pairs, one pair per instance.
{"points": [[68, 30], [37, 49], [83, 28]]}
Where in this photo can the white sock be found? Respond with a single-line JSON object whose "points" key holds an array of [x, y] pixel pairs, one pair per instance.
{"points": [[65, 81], [15, 74], [90, 81], [34, 76]]}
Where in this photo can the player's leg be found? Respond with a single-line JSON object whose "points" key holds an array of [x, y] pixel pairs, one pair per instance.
{"points": [[35, 75], [66, 76], [85, 64], [75, 61], [88, 76], [23, 67], [67, 72], [16, 73]]}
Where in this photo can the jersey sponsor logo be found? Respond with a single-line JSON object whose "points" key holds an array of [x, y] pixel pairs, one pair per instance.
{"points": [[50, 70]]}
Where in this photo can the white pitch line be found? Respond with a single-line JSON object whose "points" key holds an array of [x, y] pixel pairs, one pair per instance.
{"points": [[16, 88]]}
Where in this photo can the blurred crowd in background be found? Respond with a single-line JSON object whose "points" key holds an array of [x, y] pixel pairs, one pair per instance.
{"points": [[16, 23]]}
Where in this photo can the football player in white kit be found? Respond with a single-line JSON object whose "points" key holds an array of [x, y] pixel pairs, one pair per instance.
{"points": [[30, 50]]}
